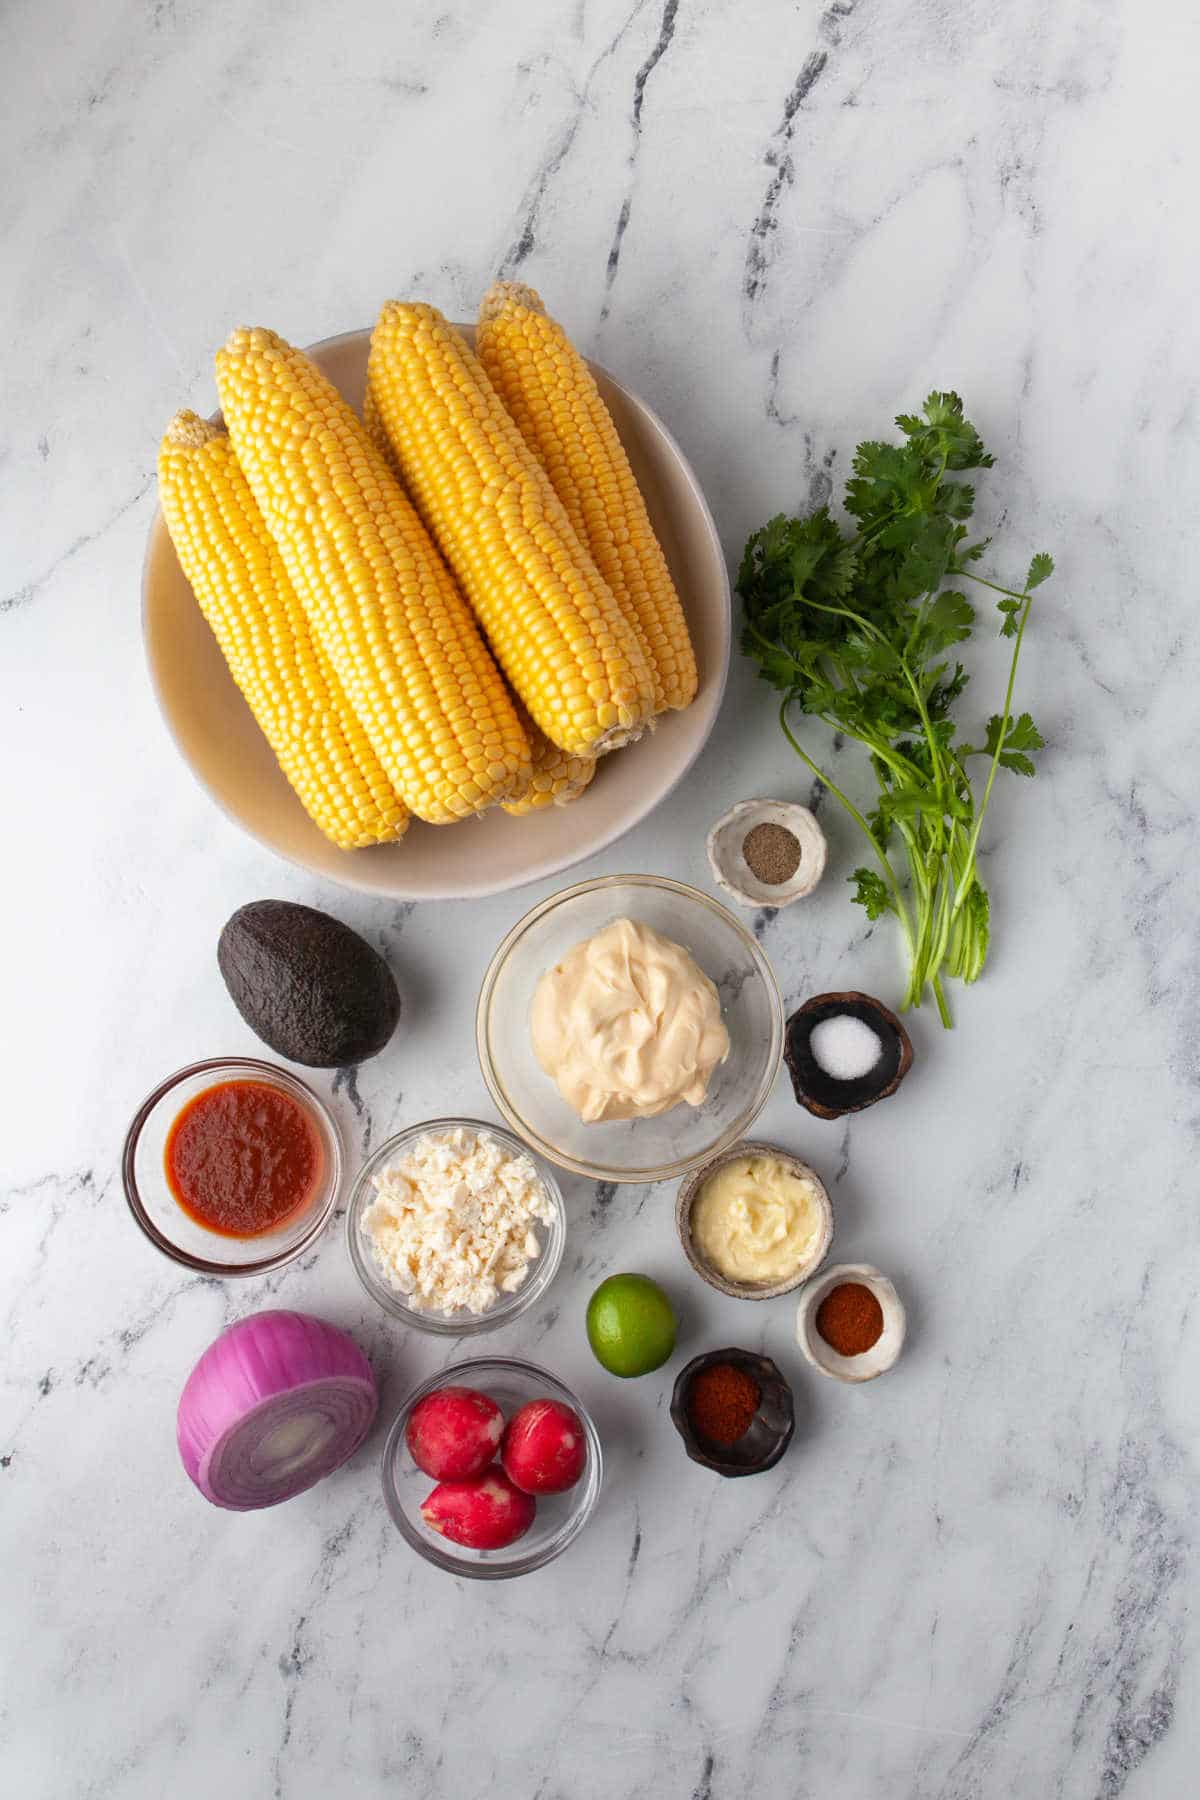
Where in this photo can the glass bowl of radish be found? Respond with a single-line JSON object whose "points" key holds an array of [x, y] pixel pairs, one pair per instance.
{"points": [[491, 1468]]}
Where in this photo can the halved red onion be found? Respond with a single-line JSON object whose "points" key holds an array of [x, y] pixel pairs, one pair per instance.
{"points": [[276, 1403]]}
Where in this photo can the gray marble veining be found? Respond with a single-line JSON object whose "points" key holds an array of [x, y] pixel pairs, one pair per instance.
{"points": [[782, 222]]}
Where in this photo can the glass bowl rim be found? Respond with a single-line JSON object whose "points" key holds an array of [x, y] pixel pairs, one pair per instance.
{"points": [[591, 1481], [598, 1171], [254, 1066], [471, 1324]]}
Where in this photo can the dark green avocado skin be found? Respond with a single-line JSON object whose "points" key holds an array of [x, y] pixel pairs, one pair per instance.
{"points": [[307, 985]]}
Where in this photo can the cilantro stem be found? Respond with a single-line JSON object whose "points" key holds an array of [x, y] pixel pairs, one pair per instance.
{"points": [[874, 631], [966, 961], [968, 874], [995, 586], [935, 755], [835, 790]]}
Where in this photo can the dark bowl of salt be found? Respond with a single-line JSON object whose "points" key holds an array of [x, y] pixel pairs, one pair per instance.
{"points": [[844, 1052]]}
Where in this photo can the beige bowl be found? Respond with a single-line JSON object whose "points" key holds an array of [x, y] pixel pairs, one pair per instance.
{"points": [[746, 1290], [227, 753]]}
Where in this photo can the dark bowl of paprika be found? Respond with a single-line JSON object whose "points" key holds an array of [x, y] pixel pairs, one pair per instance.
{"points": [[734, 1412]]}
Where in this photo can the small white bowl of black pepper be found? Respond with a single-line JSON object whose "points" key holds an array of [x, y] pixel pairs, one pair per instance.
{"points": [[767, 852]]}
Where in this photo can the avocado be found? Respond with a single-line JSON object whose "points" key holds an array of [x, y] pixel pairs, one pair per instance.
{"points": [[307, 985]]}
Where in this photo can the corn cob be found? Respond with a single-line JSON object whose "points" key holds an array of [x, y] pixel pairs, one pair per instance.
{"points": [[556, 777], [242, 587], [377, 595], [553, 397], [561, 638]]}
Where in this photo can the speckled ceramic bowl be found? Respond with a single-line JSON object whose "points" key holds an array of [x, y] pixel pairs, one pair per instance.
{"points": [[745, 1290]]}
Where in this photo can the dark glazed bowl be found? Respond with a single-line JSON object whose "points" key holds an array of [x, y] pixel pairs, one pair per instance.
{"points": [[769, 1432], [824, 1095]]}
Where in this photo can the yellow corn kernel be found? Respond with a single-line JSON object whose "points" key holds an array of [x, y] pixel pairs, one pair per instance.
{"points": [[553, 397], [557, 630], [377, 595], [556, 777], [243, 590]]}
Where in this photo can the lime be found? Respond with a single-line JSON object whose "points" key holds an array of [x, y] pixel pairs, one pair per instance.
{"points": [[630, 1325]]}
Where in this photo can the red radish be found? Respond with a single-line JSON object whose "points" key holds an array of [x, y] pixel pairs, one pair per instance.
{"points": [[484, 1514], [544, 1448], [452, 1434]]}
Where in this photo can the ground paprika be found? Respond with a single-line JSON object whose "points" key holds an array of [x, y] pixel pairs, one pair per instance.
{"points": [[722, 1401], [850, 1318]]}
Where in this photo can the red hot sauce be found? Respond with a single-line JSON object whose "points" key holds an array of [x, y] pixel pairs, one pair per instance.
{"points": [[243, 1157]]}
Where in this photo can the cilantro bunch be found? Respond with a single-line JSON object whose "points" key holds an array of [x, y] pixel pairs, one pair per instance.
{"points": [[854, 628]]}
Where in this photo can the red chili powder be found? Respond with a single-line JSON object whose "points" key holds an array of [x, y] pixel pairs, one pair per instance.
{"points": [[850, 1318], [722, 1401]]}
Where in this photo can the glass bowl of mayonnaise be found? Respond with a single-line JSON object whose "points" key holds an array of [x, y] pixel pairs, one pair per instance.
{"points": [[629, 1028]]}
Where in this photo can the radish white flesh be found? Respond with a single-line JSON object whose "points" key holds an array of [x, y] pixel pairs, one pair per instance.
{"points": [[276, 1403]]}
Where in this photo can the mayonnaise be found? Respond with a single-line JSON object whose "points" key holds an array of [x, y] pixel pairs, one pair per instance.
{"points": [[756, 1219], [628, 1025]]}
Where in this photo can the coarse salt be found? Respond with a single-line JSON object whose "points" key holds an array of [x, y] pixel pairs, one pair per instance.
{"points": [[845, 1047], [452, 1223]]}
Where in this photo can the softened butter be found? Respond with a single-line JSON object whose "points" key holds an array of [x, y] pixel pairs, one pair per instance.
{"points": [[757, 1220]]}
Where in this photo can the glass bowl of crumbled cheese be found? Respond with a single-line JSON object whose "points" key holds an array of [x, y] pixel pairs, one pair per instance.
{"points": [[454, 1228]]}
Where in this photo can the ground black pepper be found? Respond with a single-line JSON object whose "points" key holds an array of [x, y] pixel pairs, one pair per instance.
{"points": [[772, 853]]}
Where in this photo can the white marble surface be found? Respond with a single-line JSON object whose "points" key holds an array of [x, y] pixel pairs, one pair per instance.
{"points": [[781, 224]]}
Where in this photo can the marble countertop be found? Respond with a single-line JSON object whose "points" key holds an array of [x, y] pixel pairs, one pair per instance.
{"points": [[781, 223]]}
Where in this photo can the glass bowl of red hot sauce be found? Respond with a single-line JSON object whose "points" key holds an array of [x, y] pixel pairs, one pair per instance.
{"points": [[232, 1166]]}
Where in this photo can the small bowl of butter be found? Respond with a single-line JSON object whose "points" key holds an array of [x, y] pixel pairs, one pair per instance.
{"points": [[754, 1222]]}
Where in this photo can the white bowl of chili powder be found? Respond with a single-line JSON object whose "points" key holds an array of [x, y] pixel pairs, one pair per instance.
{"points": [[850, 1322]]}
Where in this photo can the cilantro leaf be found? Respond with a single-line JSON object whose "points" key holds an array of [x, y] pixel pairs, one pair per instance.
{"points": [[1010, 609], [948, 620], [1022, 735], [1040, 569], [872, 893]]}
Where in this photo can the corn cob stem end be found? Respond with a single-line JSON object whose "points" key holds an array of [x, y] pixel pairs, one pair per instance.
{"points": [[190, 431], [501, 293]]}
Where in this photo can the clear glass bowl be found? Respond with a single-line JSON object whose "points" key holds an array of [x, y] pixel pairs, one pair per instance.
{"points": [[453, 1324], [159, 1214], [560, 1517], [631, 1149]]}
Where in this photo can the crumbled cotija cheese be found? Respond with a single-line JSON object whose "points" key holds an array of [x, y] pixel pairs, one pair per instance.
{"points": [[452, 1222]]}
